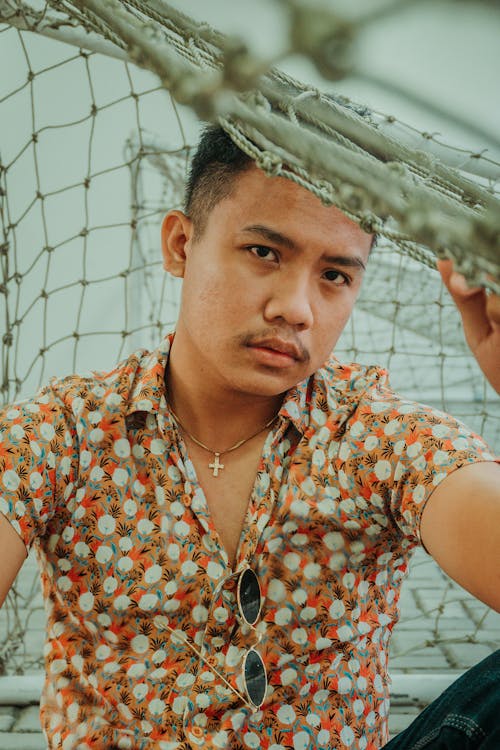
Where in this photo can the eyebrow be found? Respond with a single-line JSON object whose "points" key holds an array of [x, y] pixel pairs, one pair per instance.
{"points": [[347, 261]]}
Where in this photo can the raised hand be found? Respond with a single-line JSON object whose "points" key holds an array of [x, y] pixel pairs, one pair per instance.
{"points": [[481, 320]]}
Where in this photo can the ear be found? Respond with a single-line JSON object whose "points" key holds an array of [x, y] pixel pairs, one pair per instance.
{"points": [[176, 234]]}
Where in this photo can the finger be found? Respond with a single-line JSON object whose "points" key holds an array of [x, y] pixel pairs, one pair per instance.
{"points": [[493, 308], [471, 303], [459, 290], [454, 281]]}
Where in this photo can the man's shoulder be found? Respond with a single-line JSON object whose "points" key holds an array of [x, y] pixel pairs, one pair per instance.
{"points": [[98, 389], [366, 394]]}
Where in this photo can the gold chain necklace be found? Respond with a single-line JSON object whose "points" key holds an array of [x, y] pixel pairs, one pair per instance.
{"points": [[216, 465]]}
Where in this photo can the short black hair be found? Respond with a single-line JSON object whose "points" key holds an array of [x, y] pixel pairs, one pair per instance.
{"points": [[215, 163]]}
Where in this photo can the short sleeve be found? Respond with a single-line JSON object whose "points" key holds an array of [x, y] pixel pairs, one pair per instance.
{"points": [[38, 461], [395, 452]]}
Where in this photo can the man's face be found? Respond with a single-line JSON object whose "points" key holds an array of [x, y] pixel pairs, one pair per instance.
{"points": [[268, 286]]}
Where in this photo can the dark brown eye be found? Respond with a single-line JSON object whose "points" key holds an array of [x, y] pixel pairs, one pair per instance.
{"points": [[261, 251], [336, 277]]}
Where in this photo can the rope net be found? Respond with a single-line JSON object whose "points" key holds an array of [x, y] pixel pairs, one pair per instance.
{"points": [[94, 150]]}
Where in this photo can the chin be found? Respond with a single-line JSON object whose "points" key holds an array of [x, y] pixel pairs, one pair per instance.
{"points": [[269, 385]]}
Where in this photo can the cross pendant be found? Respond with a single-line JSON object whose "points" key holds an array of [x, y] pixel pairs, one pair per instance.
{"points": [[216, 465]]}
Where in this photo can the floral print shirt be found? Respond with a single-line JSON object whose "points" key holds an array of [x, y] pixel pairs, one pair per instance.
{"points": [[93, 472]]}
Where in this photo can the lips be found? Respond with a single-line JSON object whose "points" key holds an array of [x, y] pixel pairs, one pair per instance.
{"points": [[278, 345]]}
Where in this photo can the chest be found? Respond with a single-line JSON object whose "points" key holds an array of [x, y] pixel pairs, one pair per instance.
{"points": [[138, 536], [227, 482]]}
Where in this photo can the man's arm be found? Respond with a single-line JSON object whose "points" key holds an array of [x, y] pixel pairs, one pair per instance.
{"points": [[460, 528], [460, 525], [12, 556]]}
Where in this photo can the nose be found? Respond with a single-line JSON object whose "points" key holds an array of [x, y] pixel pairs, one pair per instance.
{"points": [[290, 301]]}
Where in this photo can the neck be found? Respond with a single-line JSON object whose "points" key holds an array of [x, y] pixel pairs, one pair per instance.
{"points": [[214, 413]]}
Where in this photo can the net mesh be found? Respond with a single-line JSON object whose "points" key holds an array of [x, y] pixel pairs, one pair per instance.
{"points": [[94, 150]]}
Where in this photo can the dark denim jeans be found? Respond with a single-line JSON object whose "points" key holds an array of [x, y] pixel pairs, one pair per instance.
{"points": [[465, 717]]}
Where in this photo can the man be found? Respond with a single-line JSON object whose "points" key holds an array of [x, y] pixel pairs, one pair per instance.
{"points": [[223, 525]]}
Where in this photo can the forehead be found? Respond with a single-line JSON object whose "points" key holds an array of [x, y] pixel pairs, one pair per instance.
{"points": [[289, 208]]}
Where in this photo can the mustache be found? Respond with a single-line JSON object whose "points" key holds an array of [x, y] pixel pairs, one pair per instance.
{"points": [[254, 339]]}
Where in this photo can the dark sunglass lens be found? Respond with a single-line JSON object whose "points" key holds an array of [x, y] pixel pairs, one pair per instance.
{"points": [[255, 677], [250, 598]]}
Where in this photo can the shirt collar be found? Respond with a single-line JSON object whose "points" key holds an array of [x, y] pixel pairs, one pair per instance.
{"points": [[334, 389], [296, 405], [148, 391]]}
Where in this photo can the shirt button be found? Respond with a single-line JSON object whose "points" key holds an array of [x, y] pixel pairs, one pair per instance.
{"points": [[186, 501], [212, 660], [197, 731]]}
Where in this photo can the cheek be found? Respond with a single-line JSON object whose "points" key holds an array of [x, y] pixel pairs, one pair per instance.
{"points": [[212, 301], [201, 283], [330, 322], [226, 281]]}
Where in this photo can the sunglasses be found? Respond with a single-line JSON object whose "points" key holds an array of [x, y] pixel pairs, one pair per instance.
{"points": [[249, 599]]}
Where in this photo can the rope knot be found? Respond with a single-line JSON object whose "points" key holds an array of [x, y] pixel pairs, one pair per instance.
{"points": [[270, 163], [369, 223]]}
